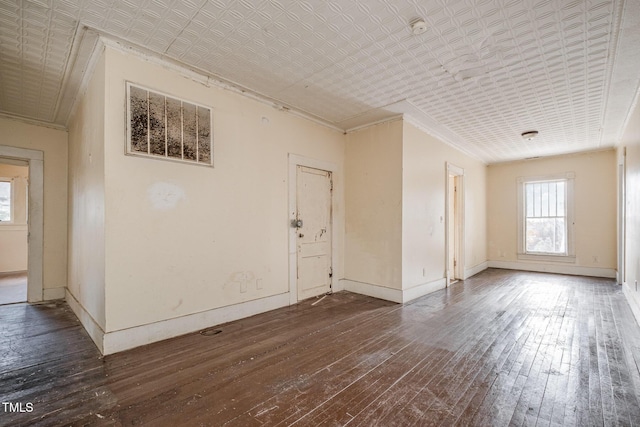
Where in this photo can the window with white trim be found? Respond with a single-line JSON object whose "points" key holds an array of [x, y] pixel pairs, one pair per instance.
{"points": [[545, 220], [164, 127], [6, 200]]}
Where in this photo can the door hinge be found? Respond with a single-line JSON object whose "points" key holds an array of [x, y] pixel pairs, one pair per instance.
{"points": [[455, 263], [331, 185], [330, 271]]}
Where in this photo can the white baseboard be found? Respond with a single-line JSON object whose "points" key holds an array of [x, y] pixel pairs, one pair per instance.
{"points": [[94, 330], [337, 285], [372, 290], [555, 268], [395, 295], [468, 272], [11, 273], [634, 300], [54, 293], [137, 336], [423, 289]]}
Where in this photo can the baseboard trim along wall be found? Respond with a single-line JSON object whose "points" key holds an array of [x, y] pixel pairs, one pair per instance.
{"points": [[634, 300], [423, 289], [137, 336], [555, 268], [468, 272], [90, 325], [395, 295], [376, 291]]}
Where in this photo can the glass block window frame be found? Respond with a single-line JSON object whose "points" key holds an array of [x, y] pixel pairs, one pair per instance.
{"points": [[164, 127]]}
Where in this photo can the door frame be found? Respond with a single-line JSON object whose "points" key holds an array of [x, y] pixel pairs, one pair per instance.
{"points": [[296, 160], [622, 217], [35, 222], [458, 173]]}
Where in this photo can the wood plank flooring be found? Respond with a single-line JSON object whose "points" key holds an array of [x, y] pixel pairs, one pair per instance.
{"points": [[13, 287], [501, 348]]}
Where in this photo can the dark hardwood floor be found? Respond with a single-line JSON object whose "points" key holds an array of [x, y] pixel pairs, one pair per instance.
{"points": [[501, 348]]}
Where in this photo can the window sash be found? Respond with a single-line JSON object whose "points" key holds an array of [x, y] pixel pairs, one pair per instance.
{"points": [[545, 219]]}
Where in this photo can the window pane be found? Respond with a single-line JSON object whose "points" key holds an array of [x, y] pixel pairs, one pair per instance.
{"points": [[536, 200], [561, 196], [189, 131], [529, 199], [174, 128], [546, 235], [5, 201], [156, 124], [139, 119], [204, 135], [544, 199], [553, 201]]}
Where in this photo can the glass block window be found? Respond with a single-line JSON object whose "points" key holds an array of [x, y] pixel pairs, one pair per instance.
{"points": [[161, 126]]}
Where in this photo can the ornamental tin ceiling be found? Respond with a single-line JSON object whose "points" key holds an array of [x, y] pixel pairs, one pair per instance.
{"points": [[484, 71]]}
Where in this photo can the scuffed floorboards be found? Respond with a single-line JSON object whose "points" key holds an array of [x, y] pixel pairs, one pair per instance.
{"points": [[501, 348]]}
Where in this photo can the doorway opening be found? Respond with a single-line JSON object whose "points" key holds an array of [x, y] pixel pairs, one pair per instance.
{"points": [[454, 224], [14, 179], [23, 227], [621, 219]]}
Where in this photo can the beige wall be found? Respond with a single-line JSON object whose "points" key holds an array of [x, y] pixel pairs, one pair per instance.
{"points": [[86, 201], [395, 197], [595, 211], [373, 197], [13, 236], [423, 212], [631, 141], [53, 144], [228, 222]]}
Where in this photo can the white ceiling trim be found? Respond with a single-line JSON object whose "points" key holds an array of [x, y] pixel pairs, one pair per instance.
{"points": [[31, 121], [206, 79]]}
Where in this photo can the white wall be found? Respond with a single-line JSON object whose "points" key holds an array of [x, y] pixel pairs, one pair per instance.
{"points": [[13, 236], [53, 144], [373, 197], [395, 196], [631, 140], [86, 288], [423, 224], [595, 212], [230, 223]]}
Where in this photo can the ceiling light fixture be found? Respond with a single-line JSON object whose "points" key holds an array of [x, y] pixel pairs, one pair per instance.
{"points": [[418, 26], [529, 135]]}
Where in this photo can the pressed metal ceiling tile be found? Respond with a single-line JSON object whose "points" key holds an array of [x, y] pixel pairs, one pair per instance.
{"points": [[482, 73]]}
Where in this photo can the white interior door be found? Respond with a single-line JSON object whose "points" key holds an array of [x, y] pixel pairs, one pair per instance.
{"points": [[313, 232]]}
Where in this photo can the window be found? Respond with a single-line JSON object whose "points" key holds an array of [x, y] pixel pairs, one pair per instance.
{"points": [[6, 205], [546, 218], [160, 126]]}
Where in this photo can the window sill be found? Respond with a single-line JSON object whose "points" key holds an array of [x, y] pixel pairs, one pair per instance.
{"points": [[548, 257]]}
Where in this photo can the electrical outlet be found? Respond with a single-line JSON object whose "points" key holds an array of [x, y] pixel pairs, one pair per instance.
{"points": [[424, 271], [595, 259], [258, 283]]}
